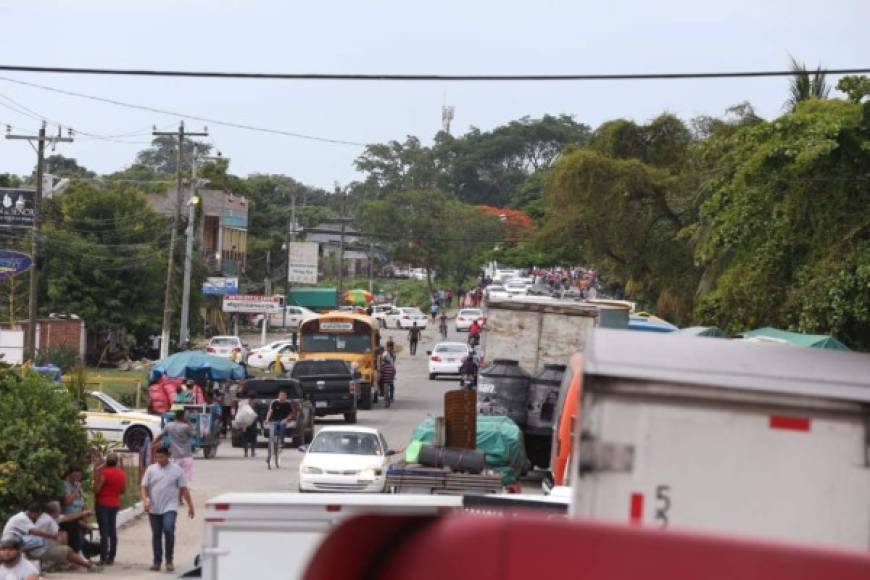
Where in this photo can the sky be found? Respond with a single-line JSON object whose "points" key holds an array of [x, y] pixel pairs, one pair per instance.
{"points": [[391, 36]]}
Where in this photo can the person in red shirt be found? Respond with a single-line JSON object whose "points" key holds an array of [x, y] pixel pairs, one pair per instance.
{"points": [[111, 481]]}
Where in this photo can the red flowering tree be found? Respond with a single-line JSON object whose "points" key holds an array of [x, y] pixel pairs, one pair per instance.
{"points": [[517, 224]]}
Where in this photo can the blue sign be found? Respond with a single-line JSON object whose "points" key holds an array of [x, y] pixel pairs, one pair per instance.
{"points": [[220, 286], [13, 263]]}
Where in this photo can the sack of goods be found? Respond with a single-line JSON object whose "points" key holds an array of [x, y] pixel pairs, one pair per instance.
{"points": [[245, 417]]}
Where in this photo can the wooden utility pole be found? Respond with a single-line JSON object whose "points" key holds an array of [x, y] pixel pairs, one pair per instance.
{"points": [[173, 237], [289, 238], [30, 347]]}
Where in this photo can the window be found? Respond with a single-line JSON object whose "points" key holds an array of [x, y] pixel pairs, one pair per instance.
{"points": [[452, 348], [323, 342], [224, 342], [346, 442]]}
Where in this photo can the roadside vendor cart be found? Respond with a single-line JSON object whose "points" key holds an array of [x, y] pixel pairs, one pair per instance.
{"points": [[206, 428]]}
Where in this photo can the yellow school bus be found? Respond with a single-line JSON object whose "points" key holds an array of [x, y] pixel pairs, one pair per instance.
{"points": [[344, 336]]}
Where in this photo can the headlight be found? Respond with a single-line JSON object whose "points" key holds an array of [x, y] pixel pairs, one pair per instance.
{"points": [[369, 473], [311, 470]]}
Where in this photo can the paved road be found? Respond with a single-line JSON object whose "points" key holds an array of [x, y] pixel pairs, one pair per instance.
{"points": [[416, 397]]}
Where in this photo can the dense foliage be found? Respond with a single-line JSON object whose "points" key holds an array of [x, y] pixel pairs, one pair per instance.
{"points": [[41, 436]]}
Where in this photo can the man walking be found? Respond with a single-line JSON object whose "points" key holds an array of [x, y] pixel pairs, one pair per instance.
{"points": [[161, 487], [181, 435], [414, 338]]}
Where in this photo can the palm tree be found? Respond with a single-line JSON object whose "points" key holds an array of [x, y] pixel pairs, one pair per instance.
{"points": [[805, 85]]}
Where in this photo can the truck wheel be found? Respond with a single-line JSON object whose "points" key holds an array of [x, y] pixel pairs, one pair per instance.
{"points": [[365, 398], [350, 418], [135, 438]]}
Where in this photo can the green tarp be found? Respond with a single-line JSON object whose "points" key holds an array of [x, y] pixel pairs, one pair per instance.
{"points": [[701, 331], [313, 298], [797, 339], [498, 437]]}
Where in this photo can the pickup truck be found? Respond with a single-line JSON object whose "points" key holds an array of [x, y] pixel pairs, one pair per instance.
{"points": [[300, 424], [329, 385]]}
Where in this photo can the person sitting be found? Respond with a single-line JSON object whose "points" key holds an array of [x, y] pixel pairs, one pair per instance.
{"points": [[53, 550]]}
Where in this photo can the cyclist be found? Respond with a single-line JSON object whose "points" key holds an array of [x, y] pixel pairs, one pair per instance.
{"points": [[276, 423], [442, 325]]}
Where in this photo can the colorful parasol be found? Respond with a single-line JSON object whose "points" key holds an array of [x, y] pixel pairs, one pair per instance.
{"points": [[357, 297]]}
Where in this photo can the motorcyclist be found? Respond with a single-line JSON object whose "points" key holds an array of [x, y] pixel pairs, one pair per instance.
{"points": [[469, 369], [474, 334]]}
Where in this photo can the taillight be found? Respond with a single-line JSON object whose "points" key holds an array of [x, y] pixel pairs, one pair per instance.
{"points": [[460, 319], [221, 507], [351, 387], [406, 317], [237, 349], [296, 408], [436, 359], [209, 349]]}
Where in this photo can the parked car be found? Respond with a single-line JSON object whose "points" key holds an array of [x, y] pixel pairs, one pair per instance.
{"points": [[230, 347], [117, 423], [300, 423], [466, 316], [447, 358], [496, 291], [380, 313], [264, 357], [405, 317], [345, 459], [329, 385], [296, 315]]}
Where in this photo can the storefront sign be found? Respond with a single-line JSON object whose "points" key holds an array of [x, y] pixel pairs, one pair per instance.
{"points": [[252, 304], [16, 207], [302, 262], [13, 263], [220, 286]]}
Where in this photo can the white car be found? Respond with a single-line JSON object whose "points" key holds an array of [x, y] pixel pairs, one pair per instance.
{"points": [[345, 459], [502, 275], [103, 414], [405, 317], [265, 356], [517, 286], [496, 292], [447, 358], [466, 316], [380, 313], [296, 315], [230, 347]]}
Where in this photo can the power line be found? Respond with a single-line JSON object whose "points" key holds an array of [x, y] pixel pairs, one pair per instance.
{"points": [[418, 77], [186, 116]]}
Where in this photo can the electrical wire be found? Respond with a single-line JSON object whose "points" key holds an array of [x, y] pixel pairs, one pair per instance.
{"points": [[186, 116], [417, 77]]}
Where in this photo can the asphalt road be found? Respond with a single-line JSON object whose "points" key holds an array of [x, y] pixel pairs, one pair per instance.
{"points": [[416, 397]]}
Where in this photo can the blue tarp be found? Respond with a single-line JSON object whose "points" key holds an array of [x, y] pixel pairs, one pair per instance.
{"points": [[197, 365]]}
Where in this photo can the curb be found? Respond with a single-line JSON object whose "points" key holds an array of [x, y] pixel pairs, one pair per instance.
{"points": [[127, 515]]}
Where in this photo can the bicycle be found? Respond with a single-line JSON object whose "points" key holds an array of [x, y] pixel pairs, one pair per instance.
{"points": [[277, 431]]}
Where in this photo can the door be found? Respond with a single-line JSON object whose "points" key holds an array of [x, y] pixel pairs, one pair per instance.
{"points": [[101, 418]]}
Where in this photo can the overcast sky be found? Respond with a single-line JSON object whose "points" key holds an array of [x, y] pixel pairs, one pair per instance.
{"points": [[359, 36]]}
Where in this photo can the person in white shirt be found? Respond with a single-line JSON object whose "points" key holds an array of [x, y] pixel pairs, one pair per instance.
{"points": [[12, 565], [54, 551]]}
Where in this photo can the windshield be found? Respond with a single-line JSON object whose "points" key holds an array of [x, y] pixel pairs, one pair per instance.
{"points": [[470, 313], [413, 311], [113, 403], [346, 442], [322, 342], [224, 342]]}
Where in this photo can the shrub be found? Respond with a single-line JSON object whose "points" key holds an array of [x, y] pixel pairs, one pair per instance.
{"points": [[41, 435]]}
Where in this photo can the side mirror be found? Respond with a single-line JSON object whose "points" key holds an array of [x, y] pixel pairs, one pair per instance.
{"points": [[391, 452], [302, 449], [429, 352]]}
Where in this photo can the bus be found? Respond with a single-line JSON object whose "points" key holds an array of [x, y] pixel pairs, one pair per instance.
{"points": [[346, 336]]}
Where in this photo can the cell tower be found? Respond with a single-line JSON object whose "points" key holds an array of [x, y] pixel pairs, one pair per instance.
{"points": [[446, 117]]}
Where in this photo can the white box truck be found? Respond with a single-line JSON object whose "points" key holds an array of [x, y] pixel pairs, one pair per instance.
{"points": [[714, 434], [274, 535]]}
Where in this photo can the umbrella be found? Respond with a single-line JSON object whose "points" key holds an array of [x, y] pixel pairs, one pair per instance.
{"points": [[358, 297], [197, 365]]}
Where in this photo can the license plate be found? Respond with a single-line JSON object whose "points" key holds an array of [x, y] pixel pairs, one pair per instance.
{"points": [[319, 404], [451, 360]]}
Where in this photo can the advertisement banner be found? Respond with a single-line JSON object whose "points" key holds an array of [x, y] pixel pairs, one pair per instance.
{"points": [[215, 286], [16, 206], [13, 263], [302, 262], [251, 304]]}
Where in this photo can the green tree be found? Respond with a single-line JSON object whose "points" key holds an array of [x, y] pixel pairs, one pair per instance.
{"points": [[10, 180], [805, 85], [783, 237], [857, 88], [162, 156], [106, 259], [61, 166], [41, 435]]}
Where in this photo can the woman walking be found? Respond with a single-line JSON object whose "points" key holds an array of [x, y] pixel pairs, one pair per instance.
{"points": [[111, 482]]}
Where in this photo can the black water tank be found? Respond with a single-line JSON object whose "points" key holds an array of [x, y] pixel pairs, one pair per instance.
{"points": [[503, 389], [543, 399]]}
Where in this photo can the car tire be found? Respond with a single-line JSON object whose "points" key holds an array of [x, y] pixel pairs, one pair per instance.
{"points": [[350, 418], [432, 376], [135, 438], [271, 368]]}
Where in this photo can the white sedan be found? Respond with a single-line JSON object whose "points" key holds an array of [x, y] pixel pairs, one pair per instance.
{"points": [[103, 414], [296, 315], [447, 358], [345, 459], [466, 316], [264, 357], [380, 313], [517, 286], [406, 318], [230, 347], [496, 292]]}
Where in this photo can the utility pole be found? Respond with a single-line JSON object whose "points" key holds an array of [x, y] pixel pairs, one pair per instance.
{"points": [[184, 331], [371, 267], [267, 290], [173, 237], [342, 218], [290, 237], [30, 347]]}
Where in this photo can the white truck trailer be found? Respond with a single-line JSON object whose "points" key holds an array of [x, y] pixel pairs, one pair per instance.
{"points": [[715, 434]]}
